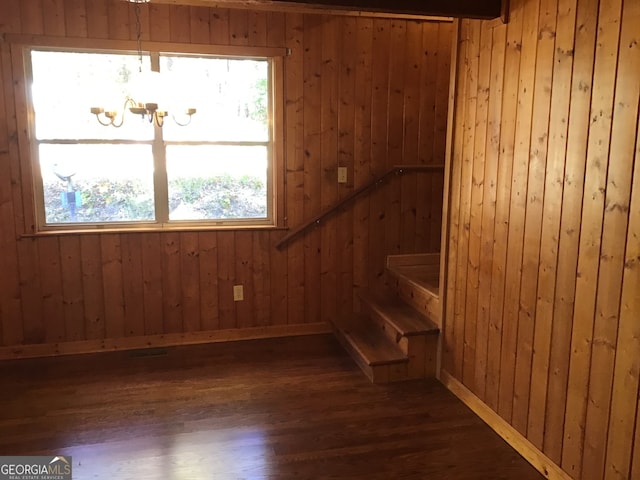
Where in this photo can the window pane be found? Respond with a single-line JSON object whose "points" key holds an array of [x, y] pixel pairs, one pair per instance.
{"points": [[67, 84], [97, 183], [217, 182], [230, 95]]}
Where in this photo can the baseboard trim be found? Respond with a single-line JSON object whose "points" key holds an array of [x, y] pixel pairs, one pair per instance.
{"points": [[164, 340], [509, 434]]}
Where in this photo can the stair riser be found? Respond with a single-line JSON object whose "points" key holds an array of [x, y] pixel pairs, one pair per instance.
{"points": [[391, 333], [431, 259], [419, 299]]}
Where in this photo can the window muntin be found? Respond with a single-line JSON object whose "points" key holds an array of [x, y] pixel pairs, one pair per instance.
{"points": [[137, 174]]}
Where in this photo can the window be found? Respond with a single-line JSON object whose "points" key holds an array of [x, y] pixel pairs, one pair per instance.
{"points": [[216, 171]]}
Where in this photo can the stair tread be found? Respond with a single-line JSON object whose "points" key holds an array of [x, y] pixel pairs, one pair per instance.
{"points": [[372, 346], [425, 276], [402, 317]]}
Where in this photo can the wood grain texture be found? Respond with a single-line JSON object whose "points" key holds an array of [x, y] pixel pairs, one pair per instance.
{"points": [[280, 408], [338, 109], [563, 248]]}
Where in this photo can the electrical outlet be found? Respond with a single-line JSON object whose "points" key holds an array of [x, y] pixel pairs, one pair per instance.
{"points": [[342, 174], [238, 293]]}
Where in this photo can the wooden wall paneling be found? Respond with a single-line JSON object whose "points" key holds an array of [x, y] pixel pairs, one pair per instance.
{"points": [[503, 204], [537, 156], [13, 193], [244, 275], [199, 25], [312, 94], [276, 31], [530, 390], [466, 180], [226, 280], [19, 144], [238, 27], [261, 282], [279, 283], [145, 27], [517, 209], [329, 107], [489, 196], [219, 26], [603, 86], [155, 265], [346, 147], [119, 20], [180, 22], [208, 256], [475, 217], [31, 17], [132, 284], [531, 372], [452, 328], [577, 141], [379, 141], [10, 17], [75, 14], [258, 28], [635, 465], [295, 155], [410, 150], [98, 18], [442, 88], [172, 283], [54, 18], [10, 302], [395, 132], [465, 319], [564, 225], [113, 286], [612, 252], [624, 401], [159, 23], [190, 273], [72, 288], [362, 149], [92, 286], [428, 89], [551, 216], [152, 287], [440, 118], [430, 63], [51, 281], [630, 305], [33, 325]]}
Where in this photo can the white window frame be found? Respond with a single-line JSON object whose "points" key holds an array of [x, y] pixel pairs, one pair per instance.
{"points": [[21, 48]]}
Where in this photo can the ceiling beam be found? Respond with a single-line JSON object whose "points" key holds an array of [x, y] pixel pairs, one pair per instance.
{"points": [[485, 9]]}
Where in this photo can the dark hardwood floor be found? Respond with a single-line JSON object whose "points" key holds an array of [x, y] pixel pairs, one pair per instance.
{"points": [[277, 409]]}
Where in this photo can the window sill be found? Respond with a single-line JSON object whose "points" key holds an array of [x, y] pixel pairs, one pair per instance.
{"points": [[155, 229]]}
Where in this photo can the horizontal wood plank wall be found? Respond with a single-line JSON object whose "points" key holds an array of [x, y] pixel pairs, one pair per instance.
{"points": [[543, 328], [342, 108]]}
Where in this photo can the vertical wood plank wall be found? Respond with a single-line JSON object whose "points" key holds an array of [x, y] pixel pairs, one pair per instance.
{"points": [[359, 92], [543, 306]]}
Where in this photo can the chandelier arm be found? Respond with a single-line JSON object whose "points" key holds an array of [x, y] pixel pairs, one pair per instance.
{"points": [[104, 124], [179, 123]]}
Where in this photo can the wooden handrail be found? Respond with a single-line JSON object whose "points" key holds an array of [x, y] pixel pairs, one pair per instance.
{"points": [[317, 220]]}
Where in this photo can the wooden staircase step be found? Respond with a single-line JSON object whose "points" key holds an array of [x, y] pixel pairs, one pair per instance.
{"points": [[374, 353], [373, 347], [425, 277], [404, 319]]}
